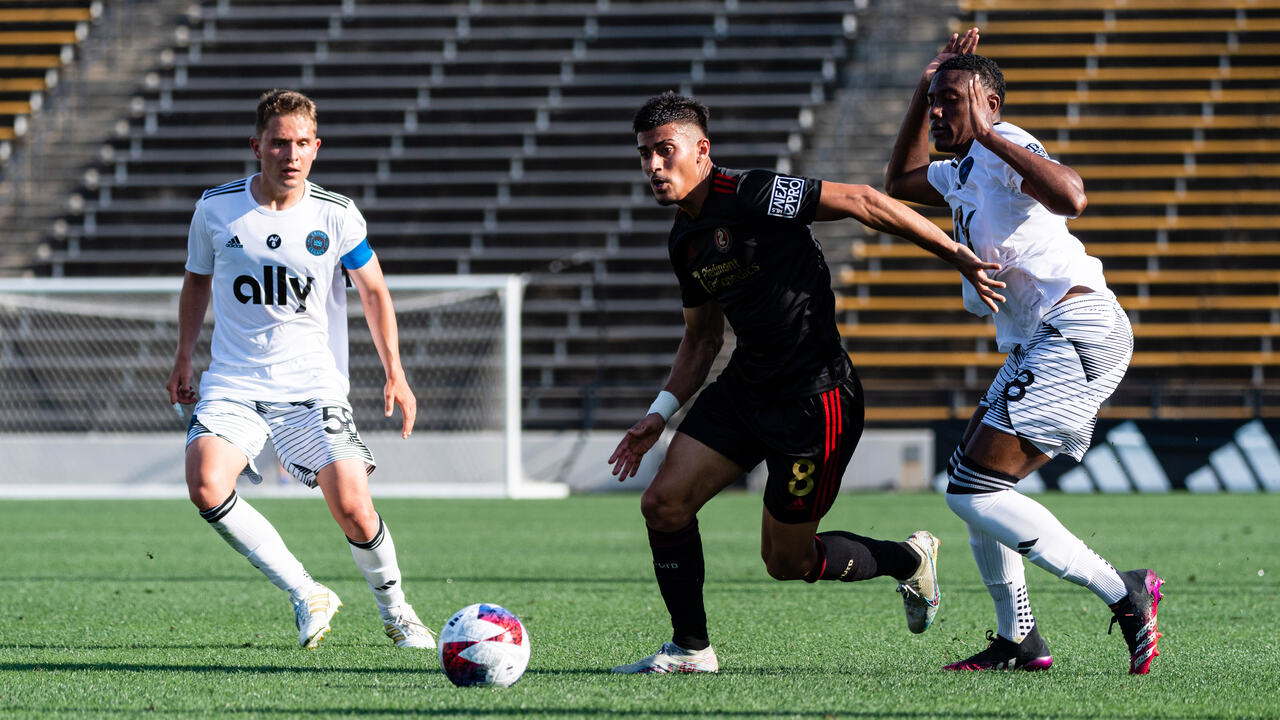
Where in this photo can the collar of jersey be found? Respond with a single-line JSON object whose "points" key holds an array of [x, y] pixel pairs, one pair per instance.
{"points": [[248, 189]]}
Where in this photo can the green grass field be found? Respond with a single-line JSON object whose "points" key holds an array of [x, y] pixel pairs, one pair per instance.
{"points": [[137, 609]]}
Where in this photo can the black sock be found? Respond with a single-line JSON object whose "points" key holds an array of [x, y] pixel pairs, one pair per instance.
{"points": [[678, 565], [848, 557]]}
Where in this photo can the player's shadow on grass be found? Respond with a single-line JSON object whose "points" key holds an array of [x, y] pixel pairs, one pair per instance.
{"points": [[763, 579], [232, 667], [555, 712], [966, 586]]}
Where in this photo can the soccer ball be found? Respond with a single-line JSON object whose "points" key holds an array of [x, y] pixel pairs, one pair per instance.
{"points": [[484, 644]]}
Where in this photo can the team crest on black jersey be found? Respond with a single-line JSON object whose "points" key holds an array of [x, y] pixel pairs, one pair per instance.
{"points": [[317, 243], [724, 240], [273, 241]]}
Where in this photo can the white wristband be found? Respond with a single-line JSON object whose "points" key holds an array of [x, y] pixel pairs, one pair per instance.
{"points": [[665, 405]]}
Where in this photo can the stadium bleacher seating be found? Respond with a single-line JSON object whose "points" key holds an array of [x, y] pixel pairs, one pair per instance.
{"points": [[479, 137], [493, 136], [1169, 111], [36, 39]]}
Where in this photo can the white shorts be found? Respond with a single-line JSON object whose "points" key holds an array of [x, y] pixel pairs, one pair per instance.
{"points": [[307, 434], [1049, 390]]}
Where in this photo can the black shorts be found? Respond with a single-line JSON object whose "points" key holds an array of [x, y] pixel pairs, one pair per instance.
{"points": [[806, 441]]}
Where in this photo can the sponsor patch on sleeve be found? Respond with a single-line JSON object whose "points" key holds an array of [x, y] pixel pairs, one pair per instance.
{"points": [[1035, 148], [785, 200]]}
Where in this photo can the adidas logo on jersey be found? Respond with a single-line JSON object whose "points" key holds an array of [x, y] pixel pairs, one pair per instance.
{"points": [[234, 242]]}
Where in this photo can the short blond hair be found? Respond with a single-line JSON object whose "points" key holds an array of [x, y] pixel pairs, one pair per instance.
{"points": [[277, 102]]}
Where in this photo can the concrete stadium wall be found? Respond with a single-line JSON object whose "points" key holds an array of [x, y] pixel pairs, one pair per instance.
{"points": [[151, 465]]}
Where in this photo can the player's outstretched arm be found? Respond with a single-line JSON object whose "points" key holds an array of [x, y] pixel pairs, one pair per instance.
{"points": [[381, 317], [907, 175], [1054, 185], [192, 304], [703, 337], [881, 212]]}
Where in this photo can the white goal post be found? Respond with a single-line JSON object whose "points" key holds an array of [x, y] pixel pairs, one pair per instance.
{"points": [[83, 410]]}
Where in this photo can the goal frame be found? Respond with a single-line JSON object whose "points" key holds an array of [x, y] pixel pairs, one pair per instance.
{"points": [[509, 287]]}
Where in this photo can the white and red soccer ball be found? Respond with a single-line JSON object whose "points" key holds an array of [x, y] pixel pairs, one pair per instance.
{"points": [[484, 644]]}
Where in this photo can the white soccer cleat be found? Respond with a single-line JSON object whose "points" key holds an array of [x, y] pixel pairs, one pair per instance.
{"points": [[402, 625], [920, 594], [671, 658], [312, 614]]}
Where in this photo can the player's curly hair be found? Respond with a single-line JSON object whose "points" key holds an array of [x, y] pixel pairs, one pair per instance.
{"points": [[668, 108], [984, 67], [277, 102]]}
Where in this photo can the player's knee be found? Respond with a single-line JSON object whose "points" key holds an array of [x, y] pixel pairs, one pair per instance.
{"points": [[662, 512], [201, 499], [973, 488], [205, 495], [973, 507], [358, 520], [960, 504]]}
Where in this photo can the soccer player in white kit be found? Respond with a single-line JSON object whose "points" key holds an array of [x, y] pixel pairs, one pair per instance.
{"points": [[270, 250], [1068, 342]]}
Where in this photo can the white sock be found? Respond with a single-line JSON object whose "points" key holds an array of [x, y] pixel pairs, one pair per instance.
{"points": [[251, 535], [376, 559], [1003, 574], [1028, 527]]}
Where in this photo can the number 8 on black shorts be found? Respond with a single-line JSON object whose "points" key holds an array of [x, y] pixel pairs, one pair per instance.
{"points": [[806, 442]]}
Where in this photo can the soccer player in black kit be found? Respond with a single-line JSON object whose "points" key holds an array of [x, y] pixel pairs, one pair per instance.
{"points": [[742, 250]]}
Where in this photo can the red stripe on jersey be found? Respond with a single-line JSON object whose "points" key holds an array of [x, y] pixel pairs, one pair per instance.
{"points": [[728, 178], [831, 456], [835, 464], [826, 455], [826, 416]]}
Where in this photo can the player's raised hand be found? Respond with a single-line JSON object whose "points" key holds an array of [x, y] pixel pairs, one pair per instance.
{"points": [[975, 270], [631, 449], [980, 111], [957, 45], [397, 392]]}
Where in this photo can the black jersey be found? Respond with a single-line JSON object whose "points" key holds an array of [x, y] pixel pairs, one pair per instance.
{"points": [[752, 252]]}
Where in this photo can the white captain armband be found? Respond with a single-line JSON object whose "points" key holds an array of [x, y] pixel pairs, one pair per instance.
{"points": [[665, 405]]}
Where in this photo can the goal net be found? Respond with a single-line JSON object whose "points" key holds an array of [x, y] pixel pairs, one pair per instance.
{"points": [[84, 412]]}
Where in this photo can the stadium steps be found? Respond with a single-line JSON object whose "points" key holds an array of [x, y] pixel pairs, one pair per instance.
{"points": [[93, 94], [34, 43], [488, 137]]}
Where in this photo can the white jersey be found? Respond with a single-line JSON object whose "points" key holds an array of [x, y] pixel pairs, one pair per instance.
{"points": [[1040, 259], [279, 300]]}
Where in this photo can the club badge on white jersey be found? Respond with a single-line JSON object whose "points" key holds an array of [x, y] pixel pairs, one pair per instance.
{"points": [[278, 290]]}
